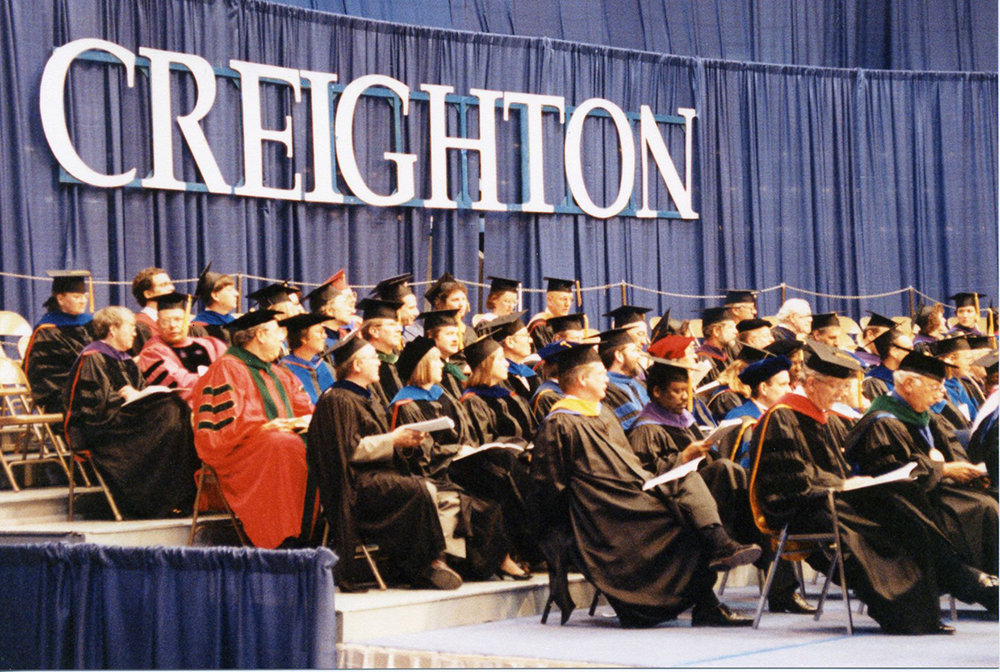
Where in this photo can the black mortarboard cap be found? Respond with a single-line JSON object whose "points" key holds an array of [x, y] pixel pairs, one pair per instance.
{"points": [[877, 320], [662, 328], [433, 292], [785, 346], [346, 348], [663, 371], [303, 321], [411, 355], [627, 314], [829, 361], [576, 354], [765, 369], [884, 342], [980, 342], [566, 322], [433, 319], [932, 367], [498, 284], [612, 338], [171, 300], [988, 362], [548, 352], [318, 297], [252, 319], [502, 327], [475, 353], [711, 316], [750, 325], [740, 296], [69, 281], [206, 283], [278, 292], [559, 285], [750, 354], [824, 320], [946, 346], [963, 299], [377, 308], [394, 288]]}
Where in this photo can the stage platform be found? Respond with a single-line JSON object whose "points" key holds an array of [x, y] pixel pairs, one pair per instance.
{"points": [[782, 641], [40, 514]]}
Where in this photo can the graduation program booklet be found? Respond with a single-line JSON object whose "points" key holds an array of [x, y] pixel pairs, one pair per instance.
{"points": [[433, 425], [466, 451], [858, 482], [149, 391], [722, 426], [673, 474]]}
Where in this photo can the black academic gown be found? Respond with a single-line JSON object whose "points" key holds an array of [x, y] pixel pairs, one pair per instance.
{"points": [[497, 415], [636, 546], [983, 447], [967, 513], [888, 559], [659, 448], [487, 542], [724, 401], [523, 386], [541, 334], [499, 475], [49, 358], [378, 498], [144, 450]]}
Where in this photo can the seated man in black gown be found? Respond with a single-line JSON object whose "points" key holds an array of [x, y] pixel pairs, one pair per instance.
{"points": [[897, 562], [653, 553], [59, 337], [369, 484], [142, 445]]}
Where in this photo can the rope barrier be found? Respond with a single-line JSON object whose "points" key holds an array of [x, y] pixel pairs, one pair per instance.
{"points": [[472, 283]]}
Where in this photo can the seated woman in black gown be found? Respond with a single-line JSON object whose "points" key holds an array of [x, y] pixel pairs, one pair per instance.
{"points": [[449, 454]]}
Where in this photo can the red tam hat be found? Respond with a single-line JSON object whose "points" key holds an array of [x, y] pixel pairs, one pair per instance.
{"points": [[670, 347]]}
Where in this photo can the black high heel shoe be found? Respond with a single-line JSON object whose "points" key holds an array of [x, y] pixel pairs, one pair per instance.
{"points": [[503, 574]]}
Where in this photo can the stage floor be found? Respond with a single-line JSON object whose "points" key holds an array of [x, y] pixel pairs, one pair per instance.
{"points": [[782, 641]]}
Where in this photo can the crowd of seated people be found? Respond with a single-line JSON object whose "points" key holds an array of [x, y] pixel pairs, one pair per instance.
{"points": [[543, 435]]}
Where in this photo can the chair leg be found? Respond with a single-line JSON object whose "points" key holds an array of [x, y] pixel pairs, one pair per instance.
{"points": [[10, 474], [770, 578], [826, 586], [840, 562], [547, 609], [954, 608], [107, 493], [593, 603], [197, 502], [373, 567], [725, 578], [761, 577]]}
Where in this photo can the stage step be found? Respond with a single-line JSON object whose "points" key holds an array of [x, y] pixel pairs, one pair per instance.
{"points": [[396, 611]]}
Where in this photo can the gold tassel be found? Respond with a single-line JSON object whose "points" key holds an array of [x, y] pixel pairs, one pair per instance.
{"points": [[690, 394], [861, 403], [90, 291], [975, 300], [187, 312]]}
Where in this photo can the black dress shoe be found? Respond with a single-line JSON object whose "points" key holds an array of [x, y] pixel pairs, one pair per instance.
{"points": [[988, 593], [942, 629], [791, 603], [731, 555], [718, 616]]}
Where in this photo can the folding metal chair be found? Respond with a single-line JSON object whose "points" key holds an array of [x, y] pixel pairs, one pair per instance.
{"points": [[83, 459], [26, 428], [362, 550], [207, 474], [13, 330]]}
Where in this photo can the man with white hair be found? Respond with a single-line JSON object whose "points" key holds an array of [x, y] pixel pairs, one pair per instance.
{"points": [[794, 320], [141, 443], [898, 428], [896, 562]]}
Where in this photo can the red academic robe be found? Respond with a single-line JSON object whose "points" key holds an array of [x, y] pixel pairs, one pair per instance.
{"points": [[161, 365], [262, 473]]}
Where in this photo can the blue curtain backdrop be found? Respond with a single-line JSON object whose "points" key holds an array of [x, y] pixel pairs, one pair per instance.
{"points": [[834, 180], [82, 606], [875, 34]]}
